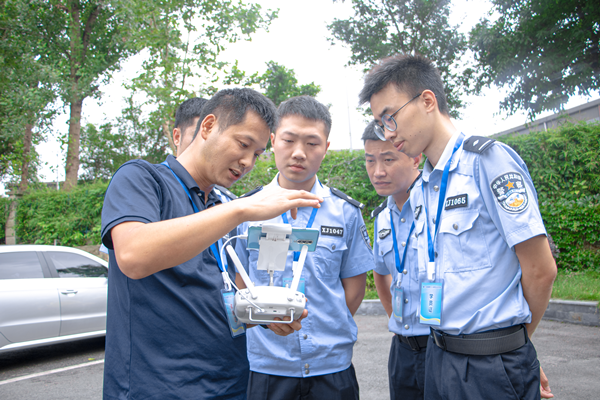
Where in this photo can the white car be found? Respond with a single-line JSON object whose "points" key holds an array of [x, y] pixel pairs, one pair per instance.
{"points": [[50, 294]]}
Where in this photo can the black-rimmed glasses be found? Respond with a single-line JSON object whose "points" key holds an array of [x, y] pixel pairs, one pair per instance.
{"points": [[389, 122]]}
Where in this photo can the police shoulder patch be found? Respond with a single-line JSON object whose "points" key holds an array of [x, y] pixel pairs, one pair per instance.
{"points": [[511, 192], [477, 144], [365, 235], [253, 191], [226, 192], [379, 209], [349, 199]]}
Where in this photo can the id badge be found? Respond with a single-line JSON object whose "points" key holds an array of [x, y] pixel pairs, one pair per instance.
{"points": [[397, 303], [235, 326], [287, 282], [431, 303]]}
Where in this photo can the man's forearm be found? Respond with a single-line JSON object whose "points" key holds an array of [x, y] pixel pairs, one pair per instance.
{"points": [[354, 289], [382, 283]]}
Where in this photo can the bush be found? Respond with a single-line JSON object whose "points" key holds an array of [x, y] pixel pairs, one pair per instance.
{"points": [[71, 218], [4, 204]]}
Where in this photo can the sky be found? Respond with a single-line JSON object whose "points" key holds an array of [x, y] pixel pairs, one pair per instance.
{"points": [[298, 40]]}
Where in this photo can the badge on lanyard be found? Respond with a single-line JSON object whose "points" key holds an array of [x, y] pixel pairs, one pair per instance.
{"points": [[287, 282], [236, 327], [431, 303], [397, 302]]}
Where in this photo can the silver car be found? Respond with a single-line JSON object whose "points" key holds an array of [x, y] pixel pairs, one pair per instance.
{"points": [[50, 294]]}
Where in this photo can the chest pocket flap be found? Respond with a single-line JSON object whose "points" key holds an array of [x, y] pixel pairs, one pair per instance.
{"points": [[457, 223], [328, 256]]}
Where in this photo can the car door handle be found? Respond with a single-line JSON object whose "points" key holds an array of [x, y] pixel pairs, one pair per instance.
{"points": [[69, 291]]}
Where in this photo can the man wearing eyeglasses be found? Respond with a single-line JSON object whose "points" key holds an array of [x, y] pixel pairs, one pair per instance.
{"points": [[485, 265]]}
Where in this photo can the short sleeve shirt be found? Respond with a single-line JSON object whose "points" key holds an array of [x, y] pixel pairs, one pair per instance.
{"points": [[167, 334], [324, 344], [478, 229], [385, 264]]}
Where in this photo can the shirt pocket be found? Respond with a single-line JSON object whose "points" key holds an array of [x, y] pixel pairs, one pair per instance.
{"points": [[465, 247], [328, 257]]}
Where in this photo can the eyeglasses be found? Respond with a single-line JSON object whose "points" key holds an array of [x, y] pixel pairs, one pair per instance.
{"points": [[389, 122]]}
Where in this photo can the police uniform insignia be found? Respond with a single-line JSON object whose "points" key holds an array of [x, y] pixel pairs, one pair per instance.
{"points": [[349, 199], [250, 193], [332, 231], [379, 209], [510, 191], [477, 144], [365, 235], [461, 200], [383, 233], [226, 192], [418, 211]]}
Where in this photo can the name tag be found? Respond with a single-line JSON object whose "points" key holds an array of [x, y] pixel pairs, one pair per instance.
{"points": [[431, 303], [456, 201], [332, 231]]}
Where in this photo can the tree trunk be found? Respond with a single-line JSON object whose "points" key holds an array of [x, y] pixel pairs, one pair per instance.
{"points": [[169, 134], [26, 150], [72, 166]]}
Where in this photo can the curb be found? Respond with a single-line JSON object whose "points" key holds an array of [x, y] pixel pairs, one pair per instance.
{"points": [[574, 312]]}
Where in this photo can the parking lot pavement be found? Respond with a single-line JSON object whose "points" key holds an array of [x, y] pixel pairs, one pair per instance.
{"points": [[569, 354]]}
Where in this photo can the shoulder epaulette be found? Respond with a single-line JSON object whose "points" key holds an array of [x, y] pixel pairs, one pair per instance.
{"points": [[253, 191], [226, 192], [349, 199], [379, 209], [477, 144], [414, 182]]}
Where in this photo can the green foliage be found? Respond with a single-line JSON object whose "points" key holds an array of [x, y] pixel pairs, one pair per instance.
{"points": [[544, 51], [564, 166], [382, 28], [584, 285], [71, 218], [4, 203], [279, 84]]}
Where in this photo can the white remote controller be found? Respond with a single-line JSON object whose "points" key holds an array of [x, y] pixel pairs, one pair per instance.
{"points": [[271, 302]]}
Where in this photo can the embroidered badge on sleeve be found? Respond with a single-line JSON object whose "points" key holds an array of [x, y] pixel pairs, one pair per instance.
{"points": [[365, 235], [509, 189]]}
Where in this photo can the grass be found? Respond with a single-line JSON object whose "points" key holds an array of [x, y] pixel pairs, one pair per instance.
{"points": [[584, 285]]}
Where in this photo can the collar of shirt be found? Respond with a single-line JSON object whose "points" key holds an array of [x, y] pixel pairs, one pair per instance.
{"points": [[191, 184], [428, 168], [317, 189]]}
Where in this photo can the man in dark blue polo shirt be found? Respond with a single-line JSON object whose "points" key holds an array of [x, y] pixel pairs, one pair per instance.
{"points": [[168, 335]]}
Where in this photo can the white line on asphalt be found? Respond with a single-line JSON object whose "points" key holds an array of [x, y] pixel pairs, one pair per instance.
{"points": [[53, 371]]}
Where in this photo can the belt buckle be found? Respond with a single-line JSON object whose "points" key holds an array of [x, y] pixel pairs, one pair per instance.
{"points": [[413, 343], [438, 338]]}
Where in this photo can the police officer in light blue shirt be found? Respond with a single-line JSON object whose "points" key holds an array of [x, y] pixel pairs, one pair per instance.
{"points": [[482, 247], [396, 272], [315, 361]]}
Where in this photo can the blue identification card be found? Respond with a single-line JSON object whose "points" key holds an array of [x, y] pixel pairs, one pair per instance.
{"points": [[287, 282], [397, 303], [431, 303], [235, 326]]}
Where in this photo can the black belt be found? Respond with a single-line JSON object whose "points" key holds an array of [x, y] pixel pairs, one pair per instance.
{"points": [[416, 343], [482, 344]]}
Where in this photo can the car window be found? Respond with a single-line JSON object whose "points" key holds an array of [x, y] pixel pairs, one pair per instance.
{"points": [[20, 265], [69, 265]]}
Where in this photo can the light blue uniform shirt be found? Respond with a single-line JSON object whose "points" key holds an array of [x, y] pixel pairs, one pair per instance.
{"points": [[491, 205], [324, 344], [385, 264]]}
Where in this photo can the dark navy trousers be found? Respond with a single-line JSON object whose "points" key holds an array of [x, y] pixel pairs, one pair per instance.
{"points": [[337, 386], [406, 371], [513, 375]]}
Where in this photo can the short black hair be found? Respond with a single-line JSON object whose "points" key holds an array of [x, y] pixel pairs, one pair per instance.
{"points": [[187, 112], [369, 133], [410, 74], [307, 107], [231, 105]]}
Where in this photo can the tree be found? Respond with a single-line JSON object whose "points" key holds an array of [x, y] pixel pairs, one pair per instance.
{"points": [[381, 28], [544, 51], [26, 92], [83, 40], [183, 39], [280, 83]]}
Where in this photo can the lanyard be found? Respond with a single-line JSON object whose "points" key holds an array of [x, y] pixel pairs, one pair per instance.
{"points": [[442, 198], [313, 214], [400, 264], [215, 247]]}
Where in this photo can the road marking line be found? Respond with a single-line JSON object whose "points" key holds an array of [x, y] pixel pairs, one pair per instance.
{"points": [[54, 371]]}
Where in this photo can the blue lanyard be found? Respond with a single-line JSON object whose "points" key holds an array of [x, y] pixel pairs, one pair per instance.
{"points": [[441, 200], [400, 264], [309, 224], [213, 247]]}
